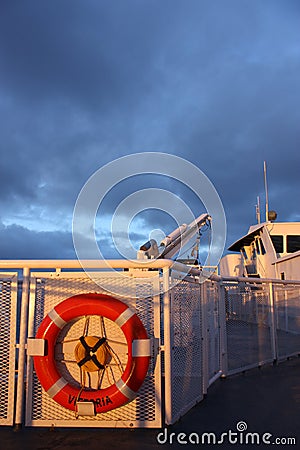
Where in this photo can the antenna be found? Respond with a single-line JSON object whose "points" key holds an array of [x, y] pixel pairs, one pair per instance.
{"points": [[257, 210], [266, 191]]}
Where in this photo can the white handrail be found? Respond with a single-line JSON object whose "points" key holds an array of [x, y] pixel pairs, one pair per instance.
{"points": [[129, 264], [86, 264]]}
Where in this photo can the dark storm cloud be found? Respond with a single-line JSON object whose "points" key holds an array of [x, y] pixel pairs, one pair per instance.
{"points": [[95, 53], [20, 243], [82, 83]]}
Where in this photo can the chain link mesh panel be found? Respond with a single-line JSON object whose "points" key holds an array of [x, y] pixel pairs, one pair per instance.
{"points": [[8, 325], [248, 325], [186, 358], [51, 289], [287, 319], [213, 327]]}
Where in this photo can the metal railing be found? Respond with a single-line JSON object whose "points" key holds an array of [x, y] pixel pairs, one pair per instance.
{"points": [[204, 328]]}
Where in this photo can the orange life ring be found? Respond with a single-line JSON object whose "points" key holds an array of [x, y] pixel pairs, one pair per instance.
{"points": [[114, 396]]}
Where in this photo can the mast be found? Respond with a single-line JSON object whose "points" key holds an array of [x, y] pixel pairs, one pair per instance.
{"points": [[257, 210], [266, 191]]}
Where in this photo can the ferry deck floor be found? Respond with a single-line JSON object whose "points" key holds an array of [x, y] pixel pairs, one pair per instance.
{"points": [[267, 400]]}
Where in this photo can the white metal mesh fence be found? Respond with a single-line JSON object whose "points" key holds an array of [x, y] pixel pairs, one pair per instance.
{"points": [[287, 319], [205, 330], [248, 325], [262, 323], [8, 336]]}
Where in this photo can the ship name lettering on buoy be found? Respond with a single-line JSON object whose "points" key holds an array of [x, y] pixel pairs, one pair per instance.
{"points": [[99, 402]]}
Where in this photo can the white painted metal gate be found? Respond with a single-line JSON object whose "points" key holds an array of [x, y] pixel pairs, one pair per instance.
{"points": [[183, 349], [47, 291]]}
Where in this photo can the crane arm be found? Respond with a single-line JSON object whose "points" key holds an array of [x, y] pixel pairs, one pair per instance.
{"points": [[172, 243]]}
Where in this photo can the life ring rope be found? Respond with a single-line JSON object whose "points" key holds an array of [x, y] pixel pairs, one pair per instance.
{"points": [[123, 389]]}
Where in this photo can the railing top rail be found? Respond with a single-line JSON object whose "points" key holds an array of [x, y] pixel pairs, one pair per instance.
{"points": [[214, 277], [254, 280], [131, 264], [88, 264]]}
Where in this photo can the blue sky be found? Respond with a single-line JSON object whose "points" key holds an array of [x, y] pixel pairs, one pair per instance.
{"points": [[85, 82]]}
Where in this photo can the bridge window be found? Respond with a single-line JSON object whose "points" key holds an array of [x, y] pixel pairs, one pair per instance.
{"points": [[263, 250], [244, 253], [257, 247], [278, 243], [253, 250], [293, 243]]}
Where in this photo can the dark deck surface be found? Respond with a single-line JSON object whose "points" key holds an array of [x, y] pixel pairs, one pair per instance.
{"points": [[266, 399]]}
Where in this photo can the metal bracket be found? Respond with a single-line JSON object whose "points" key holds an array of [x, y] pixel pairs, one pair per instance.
{"points": [[145, 347], [85, 409], [36, 347]]}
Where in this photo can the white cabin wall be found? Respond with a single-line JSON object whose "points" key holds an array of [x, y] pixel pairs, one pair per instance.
{"points": [[232, 265], [290, 267], [268, 259]]}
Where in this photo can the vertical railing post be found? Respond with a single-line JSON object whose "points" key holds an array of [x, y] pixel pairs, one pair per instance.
{"points": [[21, 347], [223, 334], [273, 323], [168, 344], [204, 333], [286, 314]]}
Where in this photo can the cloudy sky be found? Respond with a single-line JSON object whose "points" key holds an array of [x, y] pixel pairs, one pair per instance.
{"points": [[84, 82]]}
